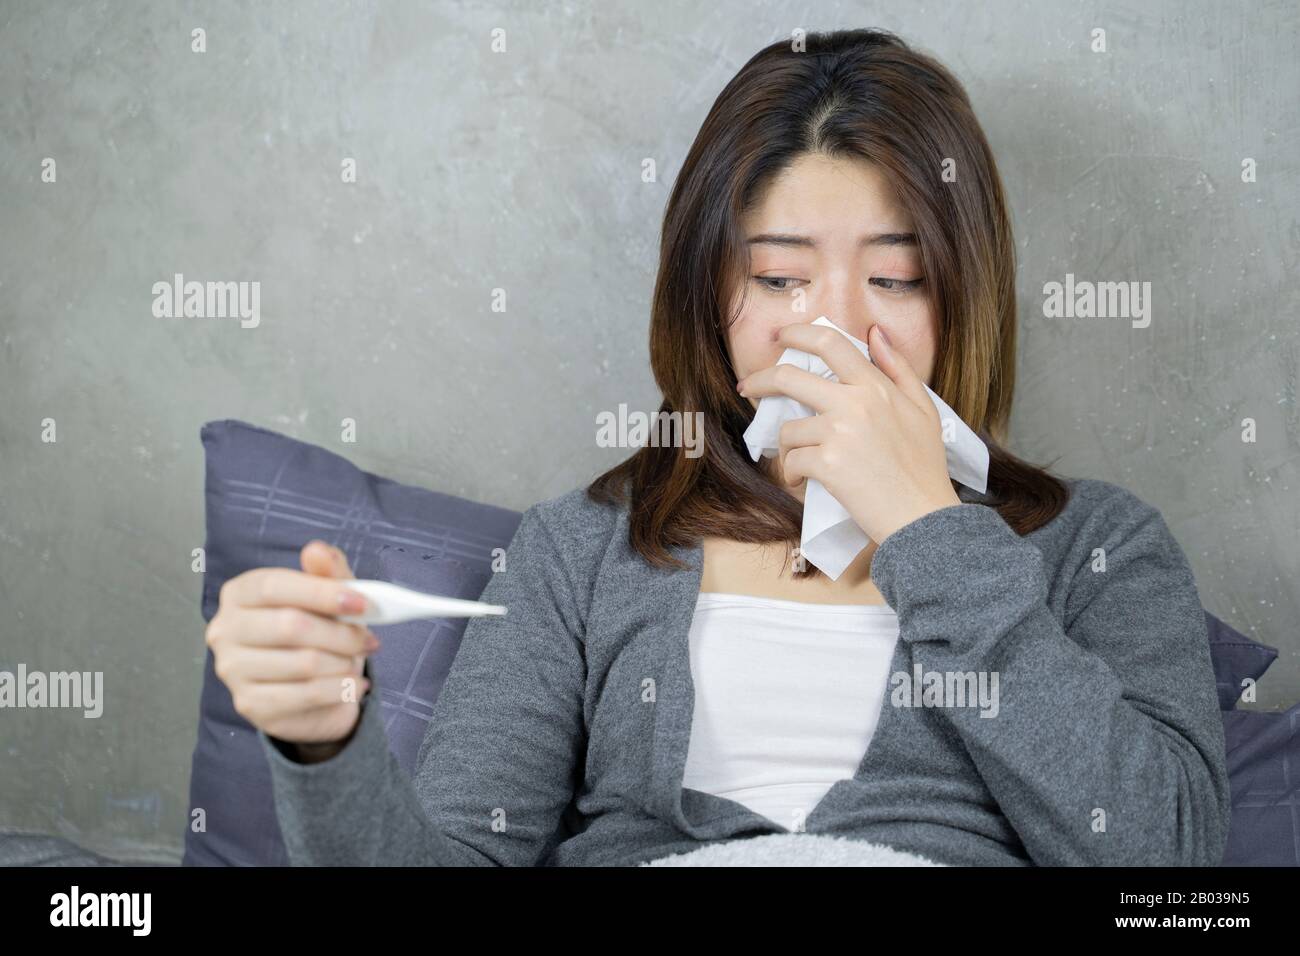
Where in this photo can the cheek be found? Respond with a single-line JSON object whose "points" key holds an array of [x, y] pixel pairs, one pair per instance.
{"points": [[916, 341], [752, 340]]}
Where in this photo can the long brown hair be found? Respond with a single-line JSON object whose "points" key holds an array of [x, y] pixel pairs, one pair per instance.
{"points": [[855, 93]]}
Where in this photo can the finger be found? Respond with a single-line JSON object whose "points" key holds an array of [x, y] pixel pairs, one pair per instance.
{"points": [[801, 464], [267, 702], [833, 347], [292, 627], [277, 664], [800, 433], [322, 558], [284, 587], [814, 391], [895, 364]]}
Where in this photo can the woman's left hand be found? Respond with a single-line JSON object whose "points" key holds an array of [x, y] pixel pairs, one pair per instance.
{"points": [[876, 443]]}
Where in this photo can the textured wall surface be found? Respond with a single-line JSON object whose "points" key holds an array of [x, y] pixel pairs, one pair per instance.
{"points": [[521, 170]]}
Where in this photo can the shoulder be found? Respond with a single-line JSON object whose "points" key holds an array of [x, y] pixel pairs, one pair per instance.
{"points": [[574, 519], [1103, 509], [1108, 528], [568, 538], [554, 559]]}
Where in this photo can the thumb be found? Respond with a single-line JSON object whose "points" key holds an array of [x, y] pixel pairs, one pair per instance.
{"points": [[325, 560], [894, 364]]}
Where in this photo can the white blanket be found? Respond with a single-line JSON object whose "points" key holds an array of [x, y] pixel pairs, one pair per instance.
{"points": [[793, 849]]}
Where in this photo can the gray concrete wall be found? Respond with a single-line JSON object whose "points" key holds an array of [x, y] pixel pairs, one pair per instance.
{"points": [[522, 171]]}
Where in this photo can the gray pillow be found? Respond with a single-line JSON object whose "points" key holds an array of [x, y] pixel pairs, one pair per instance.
{"points": [[1235, 657], [266, 496]]}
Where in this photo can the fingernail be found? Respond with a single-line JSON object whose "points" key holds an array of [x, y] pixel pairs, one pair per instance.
{"points": [[885, 338], [350, 602], [372, 642]]}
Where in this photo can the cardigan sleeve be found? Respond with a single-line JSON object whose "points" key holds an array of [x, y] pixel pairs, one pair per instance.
{"points": [[1106, 747], [498, 764]]}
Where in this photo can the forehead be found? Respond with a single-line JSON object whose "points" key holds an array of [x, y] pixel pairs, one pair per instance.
{"points": [[818, 194]]}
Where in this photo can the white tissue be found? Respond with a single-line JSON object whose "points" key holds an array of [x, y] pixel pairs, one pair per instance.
{"points": [[831, 539]]}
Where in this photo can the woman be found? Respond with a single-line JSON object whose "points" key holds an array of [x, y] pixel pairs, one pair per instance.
{"points": [[1020, 676]]}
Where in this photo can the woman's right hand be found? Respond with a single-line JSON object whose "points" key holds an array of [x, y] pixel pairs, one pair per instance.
{"points": [[294, 670]]}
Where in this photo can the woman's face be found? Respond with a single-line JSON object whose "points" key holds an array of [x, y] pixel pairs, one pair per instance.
{"points": [[828, 238]]}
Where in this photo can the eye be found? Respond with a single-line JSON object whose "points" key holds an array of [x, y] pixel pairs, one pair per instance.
{"points": [[764, 280], [897, 286]]}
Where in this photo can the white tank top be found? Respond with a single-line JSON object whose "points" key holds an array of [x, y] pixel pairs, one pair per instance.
{"points": [[787, 696]]}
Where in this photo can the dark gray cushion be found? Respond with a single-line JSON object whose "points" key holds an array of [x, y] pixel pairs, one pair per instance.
{"points": [[1263, 751], [1235, 657], [266, 496]]}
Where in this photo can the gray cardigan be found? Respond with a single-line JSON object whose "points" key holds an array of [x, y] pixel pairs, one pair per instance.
{"points": [[561, 734]]}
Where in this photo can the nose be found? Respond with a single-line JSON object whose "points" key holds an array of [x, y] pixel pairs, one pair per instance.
{"points": [[845, 302]]}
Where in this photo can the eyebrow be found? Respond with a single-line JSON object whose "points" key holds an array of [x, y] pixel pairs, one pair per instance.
{"points": [[875, 239]]}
